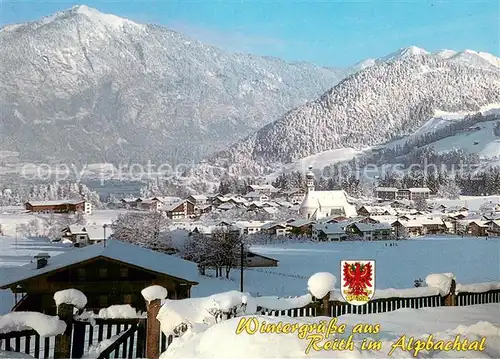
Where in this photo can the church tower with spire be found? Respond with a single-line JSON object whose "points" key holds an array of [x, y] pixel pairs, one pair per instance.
{"points": [[310, 180]]}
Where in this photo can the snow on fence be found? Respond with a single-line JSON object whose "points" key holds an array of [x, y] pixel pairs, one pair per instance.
{"points": [[387, 300], [120, 332]]}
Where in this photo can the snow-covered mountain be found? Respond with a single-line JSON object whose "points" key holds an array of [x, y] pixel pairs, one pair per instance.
{"points": [[83, 85], [391, 98]]}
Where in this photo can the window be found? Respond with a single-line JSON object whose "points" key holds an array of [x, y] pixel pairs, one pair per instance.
{"points": [[80, 273], [103, 272], [103, 300], [124, 272]]}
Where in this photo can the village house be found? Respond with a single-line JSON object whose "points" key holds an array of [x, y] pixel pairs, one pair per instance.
{"points": [[86, 235], [256, 197], [294, 195], [494, 228], [59, 206], [201, 204], [490, 207], [266, 189], [478, 228], [369, 231], [179, 210], [107, 275], [369, 211], [274, 229], [255, 260], [250, 227], [403, 229], [413, 194], [300, 226], [418, 226], [386, 193], [328, 232]]}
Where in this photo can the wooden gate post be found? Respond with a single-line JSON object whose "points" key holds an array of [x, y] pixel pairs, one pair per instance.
{"points": [[450, 300], [63, 341], [325, 305], [153, 330]]}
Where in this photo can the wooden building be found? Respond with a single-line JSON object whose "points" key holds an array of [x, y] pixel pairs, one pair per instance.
{"points": [[62, 206], [386, 193], [109, 274], [478, 228], [254, 260], [180, 210]]}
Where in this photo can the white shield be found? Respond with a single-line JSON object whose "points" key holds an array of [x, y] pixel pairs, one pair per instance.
{"points": [[358, 281]]}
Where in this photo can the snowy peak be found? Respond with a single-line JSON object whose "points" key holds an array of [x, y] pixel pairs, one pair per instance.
{"points": [[96, 16], [476, 59], [445, 53], [404, 53]]}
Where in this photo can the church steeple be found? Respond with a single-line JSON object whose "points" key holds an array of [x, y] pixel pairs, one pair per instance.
{"points": [[310, 180]]}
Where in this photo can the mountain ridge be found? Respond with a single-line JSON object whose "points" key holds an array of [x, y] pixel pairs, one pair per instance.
{"points": [[380, 102], [93, 87]]}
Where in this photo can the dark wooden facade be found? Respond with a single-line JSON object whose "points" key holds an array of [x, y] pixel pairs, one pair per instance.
{"points": [[56, 208], [104, 281]]}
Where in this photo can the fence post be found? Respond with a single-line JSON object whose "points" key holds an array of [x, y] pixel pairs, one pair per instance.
{"points": [[450, 300], [325, 305], [63, 341], [153, 330]]}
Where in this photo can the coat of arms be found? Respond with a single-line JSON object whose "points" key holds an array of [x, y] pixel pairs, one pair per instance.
{"points": [[358, 281]]}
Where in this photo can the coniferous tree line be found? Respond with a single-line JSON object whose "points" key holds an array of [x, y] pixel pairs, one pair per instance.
{"points": [[16, 195]]}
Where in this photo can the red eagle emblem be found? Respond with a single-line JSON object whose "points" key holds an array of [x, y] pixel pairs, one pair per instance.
{"points": [[358, 278]]}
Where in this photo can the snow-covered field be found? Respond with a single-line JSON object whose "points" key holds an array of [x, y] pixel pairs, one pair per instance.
{"points": [[10, 217], [471, 260]]}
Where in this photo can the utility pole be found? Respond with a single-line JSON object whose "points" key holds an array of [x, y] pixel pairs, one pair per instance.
{"points": [[241, 266], [104, 227]]}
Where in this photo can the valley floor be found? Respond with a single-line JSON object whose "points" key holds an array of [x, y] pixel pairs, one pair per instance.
{"points": [[472, 260]]}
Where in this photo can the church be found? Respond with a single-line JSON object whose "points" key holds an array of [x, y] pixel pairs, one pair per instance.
{"points": [[321, 204]]}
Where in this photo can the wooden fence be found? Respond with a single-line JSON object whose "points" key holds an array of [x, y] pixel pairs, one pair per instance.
{"points": [[142, 338], [335, 308]]}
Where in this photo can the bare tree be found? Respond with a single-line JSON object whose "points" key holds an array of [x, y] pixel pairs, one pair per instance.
{"points": [[54, 224], [148, 229], [79, 218], [221, 250]]}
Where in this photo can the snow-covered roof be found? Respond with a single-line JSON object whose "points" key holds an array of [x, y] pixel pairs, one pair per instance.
{"points": [[479, 223], [75, 229], [167, 199], [199, 197], [369, 227], [171, 206], [114, 249], [419, 190], [96, 233], [254, 194], [271, 225], [329, 228], [325, 201], [56, 202], [300, 223], [386, 189], [261, 187]]}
